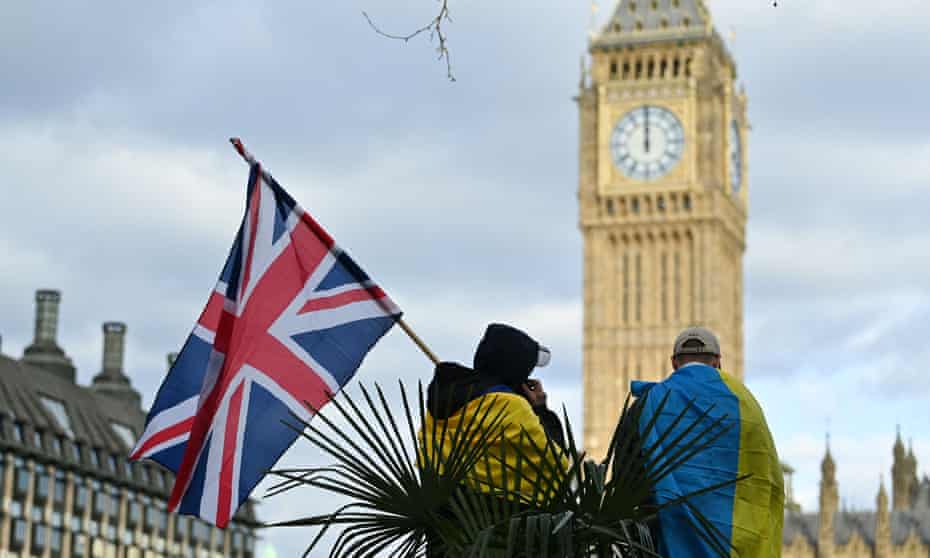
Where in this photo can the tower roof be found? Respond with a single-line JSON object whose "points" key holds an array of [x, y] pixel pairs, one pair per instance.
{"points": [[645, 21]]}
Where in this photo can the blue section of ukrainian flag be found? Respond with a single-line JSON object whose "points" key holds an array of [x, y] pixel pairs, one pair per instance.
{"points": [[748, 514]]}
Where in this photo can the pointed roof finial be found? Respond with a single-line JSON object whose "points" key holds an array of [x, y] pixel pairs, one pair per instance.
{"points": [[582, 82]]}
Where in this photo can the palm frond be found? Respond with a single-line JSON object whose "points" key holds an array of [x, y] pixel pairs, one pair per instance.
{"points": [[412, 494]]}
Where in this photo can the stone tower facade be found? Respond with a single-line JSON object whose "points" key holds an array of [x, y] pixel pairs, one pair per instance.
{"points": [[662, 198], [829, 502]]}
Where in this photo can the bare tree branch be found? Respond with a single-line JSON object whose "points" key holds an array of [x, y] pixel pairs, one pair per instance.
{"points": [[435, 30]]}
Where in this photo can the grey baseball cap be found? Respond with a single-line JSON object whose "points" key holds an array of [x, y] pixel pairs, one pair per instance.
{"points": [[709, 343]]}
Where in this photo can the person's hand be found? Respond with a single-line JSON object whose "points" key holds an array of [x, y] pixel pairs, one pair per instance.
{"points": [[533, 391]]}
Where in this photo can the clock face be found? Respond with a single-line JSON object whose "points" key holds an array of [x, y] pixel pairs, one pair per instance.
{"points": [[647, 142], [736, 158]]}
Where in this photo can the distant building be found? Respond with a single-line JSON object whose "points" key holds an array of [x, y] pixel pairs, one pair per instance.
{"points": [[66, 488], [831, 532]]}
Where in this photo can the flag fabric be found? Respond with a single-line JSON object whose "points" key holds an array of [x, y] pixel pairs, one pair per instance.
{"points": [[747, 516], [289, 322]]}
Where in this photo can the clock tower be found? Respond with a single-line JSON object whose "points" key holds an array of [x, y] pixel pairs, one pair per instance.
{"points": [[662, 199]]}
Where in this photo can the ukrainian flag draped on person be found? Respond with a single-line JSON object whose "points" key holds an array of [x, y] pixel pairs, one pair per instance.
{"points": [[748, 514]]}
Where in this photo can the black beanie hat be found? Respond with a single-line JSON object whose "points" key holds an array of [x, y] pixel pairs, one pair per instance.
{"points": [[508, 354]]}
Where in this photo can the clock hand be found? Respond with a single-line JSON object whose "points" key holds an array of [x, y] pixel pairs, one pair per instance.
{"points": [[647, 129]]}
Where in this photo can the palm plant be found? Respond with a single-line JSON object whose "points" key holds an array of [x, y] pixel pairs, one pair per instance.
{"points": [[408, 502]]}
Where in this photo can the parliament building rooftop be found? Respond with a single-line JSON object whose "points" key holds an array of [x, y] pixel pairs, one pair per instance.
{"points": [[66, 486]]}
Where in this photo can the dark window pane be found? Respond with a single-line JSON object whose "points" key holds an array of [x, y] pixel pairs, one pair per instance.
{"points": [[55, 541], [19, 534], [80, 497], [39, 536], [18, 432], [59, 491], [76, 452], [22, 481], [42, 482]]}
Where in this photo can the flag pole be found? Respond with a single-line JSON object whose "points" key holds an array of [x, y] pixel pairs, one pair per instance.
{"points": [[237, 144]]}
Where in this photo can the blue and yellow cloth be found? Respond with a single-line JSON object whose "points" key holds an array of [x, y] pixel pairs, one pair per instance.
{"points": [[748, 514]]}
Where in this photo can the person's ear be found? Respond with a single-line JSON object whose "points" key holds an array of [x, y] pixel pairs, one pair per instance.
{"points": [[674, 363]]}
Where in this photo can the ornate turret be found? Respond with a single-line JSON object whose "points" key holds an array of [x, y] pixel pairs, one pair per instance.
{"points": [[44, 351], [903, 475], [882, 523], [829, 500], [111, 380]]}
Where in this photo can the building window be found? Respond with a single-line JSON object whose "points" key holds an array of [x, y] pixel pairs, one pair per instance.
{"points": [[94, 528], [18, 432], [38, 513], [80, 496], [201, 534], [125, 434], [78, 546], [37, 438], [112, 463], [39, 537], [75, 524], [76, 452], [664, 273], [135, 513], [18, 538], [95, 458], [100, 503], [22, 481], [55, 542], [56, 518], [16, 508], [677, 286], [56, 408], [111, 532], [59, 498], [42, 482], [638, 272], [686, 202]]}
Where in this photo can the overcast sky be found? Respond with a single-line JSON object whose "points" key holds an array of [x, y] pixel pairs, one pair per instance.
{"points": [[459, 198]]}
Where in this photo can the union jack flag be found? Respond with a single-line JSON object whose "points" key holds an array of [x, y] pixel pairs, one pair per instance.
{"points": [[290, 321]]}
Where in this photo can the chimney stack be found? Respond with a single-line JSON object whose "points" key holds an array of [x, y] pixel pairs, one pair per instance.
{"points": [[114, 343], [111, 381], [44, 351]]}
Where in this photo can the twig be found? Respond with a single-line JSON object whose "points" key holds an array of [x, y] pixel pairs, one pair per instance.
{"points": [[435, 30]]}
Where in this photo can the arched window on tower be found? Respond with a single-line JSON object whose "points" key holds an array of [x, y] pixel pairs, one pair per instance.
{"points": [[626, 70], [638, 279], [664, 278], [626, 288]]}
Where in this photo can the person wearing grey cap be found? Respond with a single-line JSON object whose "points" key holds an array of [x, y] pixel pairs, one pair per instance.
{"points": [[748, 514]]}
